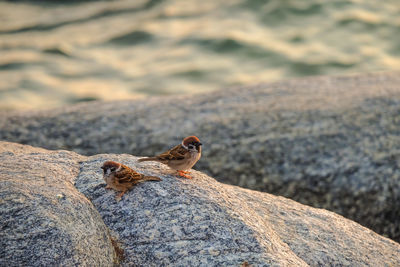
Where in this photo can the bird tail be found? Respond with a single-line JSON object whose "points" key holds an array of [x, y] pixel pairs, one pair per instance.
{"points": [[151, 178], [148, 159]]}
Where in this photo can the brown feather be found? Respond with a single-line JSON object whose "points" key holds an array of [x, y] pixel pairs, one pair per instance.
{"points": [[181, 157], [124, 178], [150, 178], [176, 153], [127, 175]]}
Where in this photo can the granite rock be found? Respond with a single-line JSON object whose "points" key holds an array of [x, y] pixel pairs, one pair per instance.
{"points": [[329, 142], [44, 220], [201, 222], [175, 222]]}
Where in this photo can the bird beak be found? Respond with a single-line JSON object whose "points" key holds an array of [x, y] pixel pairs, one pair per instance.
{"points": [[102, 167], [199, 144]]}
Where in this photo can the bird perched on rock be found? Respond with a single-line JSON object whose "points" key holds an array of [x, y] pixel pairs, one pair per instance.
{"points": [[181, 157], [122, 178]]}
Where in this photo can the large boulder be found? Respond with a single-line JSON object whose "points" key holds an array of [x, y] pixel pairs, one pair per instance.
{"points": [[44, 220], [176, 222], [329, 142]]}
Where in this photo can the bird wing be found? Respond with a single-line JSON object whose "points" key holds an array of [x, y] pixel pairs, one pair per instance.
{"points": [[127, 175], [176, 153]]}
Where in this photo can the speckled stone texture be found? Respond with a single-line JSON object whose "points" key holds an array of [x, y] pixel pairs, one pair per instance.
{"points": [[200, 222], [329, 142], [44, 220], [175, 222], [182, 222]]}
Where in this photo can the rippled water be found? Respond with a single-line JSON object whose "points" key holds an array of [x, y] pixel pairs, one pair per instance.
{"points": [[56, 54]]}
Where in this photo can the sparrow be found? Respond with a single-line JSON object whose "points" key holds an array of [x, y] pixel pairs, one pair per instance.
{"points": [[122, 178], [181, 157]]}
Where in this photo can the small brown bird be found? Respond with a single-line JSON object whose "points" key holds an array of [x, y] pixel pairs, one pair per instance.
{"points": [[181, 157], [122, 178]]}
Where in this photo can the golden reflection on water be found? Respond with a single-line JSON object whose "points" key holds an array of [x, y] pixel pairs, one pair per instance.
{"points": [[58, 54]]}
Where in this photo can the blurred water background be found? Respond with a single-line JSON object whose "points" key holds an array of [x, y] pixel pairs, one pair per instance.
{"points": [[54, 53]]}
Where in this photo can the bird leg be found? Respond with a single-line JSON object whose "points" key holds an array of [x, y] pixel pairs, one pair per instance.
{"points": [[119, 196], [184, 174]]}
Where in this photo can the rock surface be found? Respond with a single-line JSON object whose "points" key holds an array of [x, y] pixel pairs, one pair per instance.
{"points": [[329, 142], [179, 222], [44, 220]]}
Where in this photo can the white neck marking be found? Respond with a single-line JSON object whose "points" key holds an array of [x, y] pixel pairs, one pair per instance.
{"points": [[184, 146]]}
